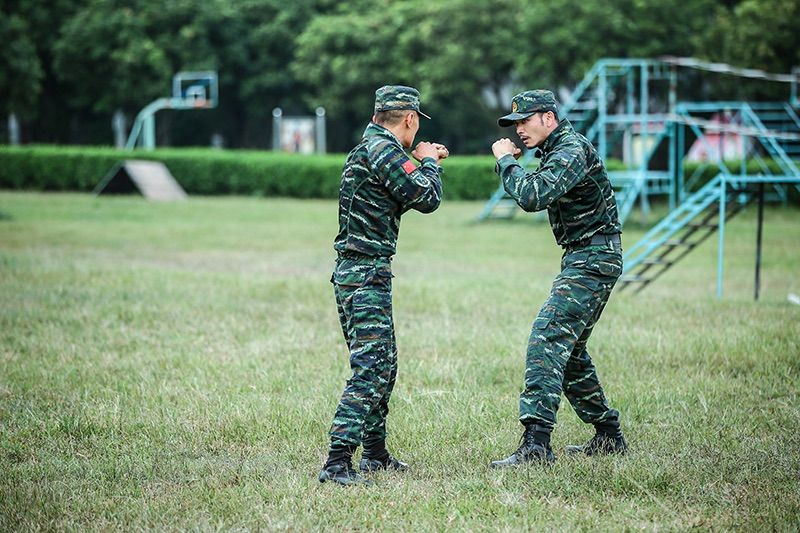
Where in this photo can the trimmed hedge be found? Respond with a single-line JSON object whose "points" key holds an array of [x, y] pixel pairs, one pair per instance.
{"points": [[207, 171], [199, 171], [245, 172]]}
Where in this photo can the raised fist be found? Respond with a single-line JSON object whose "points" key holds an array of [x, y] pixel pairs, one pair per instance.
{"points": [[425, 149], [505, 146], [442, 150]]}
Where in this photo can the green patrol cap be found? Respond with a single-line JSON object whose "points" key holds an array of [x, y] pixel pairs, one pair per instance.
{"points": [[527, 103], [397, 97]]}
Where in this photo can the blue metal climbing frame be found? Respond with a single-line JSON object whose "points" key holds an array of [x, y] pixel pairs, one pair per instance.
{"points": [[624, 87], [706, 210], [624, 107], [627, 107]]}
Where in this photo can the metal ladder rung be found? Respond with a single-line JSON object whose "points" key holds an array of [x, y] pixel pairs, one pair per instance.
{"points": [[634, 278], [701, 225], [776, 116], [655, 262], [689, 206], [585, 105]]}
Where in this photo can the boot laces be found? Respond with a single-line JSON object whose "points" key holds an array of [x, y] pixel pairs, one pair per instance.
{"points": [[526, 441], [601, 442]]}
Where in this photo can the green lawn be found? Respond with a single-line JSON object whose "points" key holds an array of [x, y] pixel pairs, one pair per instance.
{"points": [[176, 366]]}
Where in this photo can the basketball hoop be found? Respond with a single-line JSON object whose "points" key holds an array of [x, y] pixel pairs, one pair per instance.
{"points": [[190, 90], [196, 89]]}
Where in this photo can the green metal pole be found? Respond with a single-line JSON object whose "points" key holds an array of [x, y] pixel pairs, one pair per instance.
{"points": [[643, 134], [679, 166], [743, 141], [629, 100], [721, 249], [601, 112], [643, 105], [759, 232], [671, 163], [630, 109], [149, 132], [673, 88], [674, 189]]}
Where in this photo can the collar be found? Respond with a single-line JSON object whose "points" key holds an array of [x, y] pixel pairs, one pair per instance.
{"points": [[564, 128], [375, 130]]}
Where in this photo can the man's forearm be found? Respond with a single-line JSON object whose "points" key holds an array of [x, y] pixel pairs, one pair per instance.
{"points": [[518, 183]]}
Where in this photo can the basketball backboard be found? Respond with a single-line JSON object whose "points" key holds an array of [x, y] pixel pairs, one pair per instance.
{"points": [[196, 89]]}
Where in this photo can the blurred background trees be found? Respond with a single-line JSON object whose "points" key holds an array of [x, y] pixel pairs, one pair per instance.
{"points": [[67, 65]]}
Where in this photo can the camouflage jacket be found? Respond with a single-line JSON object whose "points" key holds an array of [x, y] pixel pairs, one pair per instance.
{"points": [[380, 183], [571, 183]]}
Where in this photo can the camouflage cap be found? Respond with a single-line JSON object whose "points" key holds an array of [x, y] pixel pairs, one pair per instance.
{"points": [[527, 103], [397, 97]]}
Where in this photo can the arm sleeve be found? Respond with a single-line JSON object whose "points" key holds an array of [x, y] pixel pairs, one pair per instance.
{"points": [[412, 186], [534, 191]]}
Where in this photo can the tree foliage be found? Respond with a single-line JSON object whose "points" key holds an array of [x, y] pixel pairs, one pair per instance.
{"points": [[20, 67], [68, 64], [107, 60]]}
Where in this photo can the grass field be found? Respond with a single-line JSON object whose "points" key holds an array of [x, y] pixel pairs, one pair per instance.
{"points": [[176, 366]]}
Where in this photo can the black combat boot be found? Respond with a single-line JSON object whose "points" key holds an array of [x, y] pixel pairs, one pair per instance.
{"points": [[534, 448], [377, 457], [339, 468], [343, 474], [389, 463], [606, 441]]}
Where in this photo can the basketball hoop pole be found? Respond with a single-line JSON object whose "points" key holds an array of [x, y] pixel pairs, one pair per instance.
{"points": [[202, 93]]}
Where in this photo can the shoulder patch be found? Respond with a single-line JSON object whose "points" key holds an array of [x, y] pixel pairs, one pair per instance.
{"points": [[409, 166]]}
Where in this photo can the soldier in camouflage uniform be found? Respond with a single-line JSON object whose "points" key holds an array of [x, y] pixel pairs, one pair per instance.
{"points": [[572, 184], [379, 183]]}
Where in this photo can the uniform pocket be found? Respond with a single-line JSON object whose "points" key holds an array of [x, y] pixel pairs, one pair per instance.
{"points": [[542, 326], [544, 318], [384, 272], [542, 322], [350, 276], [372, 309], [605, 264], [609, 269]]}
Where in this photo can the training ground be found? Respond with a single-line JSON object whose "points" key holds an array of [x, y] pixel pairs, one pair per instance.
{"points": [[175, 366]]}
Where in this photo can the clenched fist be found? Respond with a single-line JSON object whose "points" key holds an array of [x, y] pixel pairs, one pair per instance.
{"points": [[505, 146], [441, 150], [434, 150]]}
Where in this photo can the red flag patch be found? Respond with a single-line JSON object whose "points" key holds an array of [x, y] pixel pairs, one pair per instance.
{"points": [[409, 166]]}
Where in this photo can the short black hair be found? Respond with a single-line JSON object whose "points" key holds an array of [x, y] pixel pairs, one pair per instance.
{"points": [[555, 114], [392, 117]]}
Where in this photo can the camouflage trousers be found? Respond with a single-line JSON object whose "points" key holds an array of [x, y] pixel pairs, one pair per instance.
{"points": [[557, 360], [363, 289]]}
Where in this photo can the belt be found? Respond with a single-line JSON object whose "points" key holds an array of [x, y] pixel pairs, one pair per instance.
{"points": [[596, 239], [360, 256]]}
